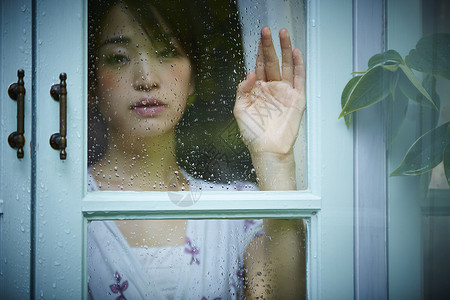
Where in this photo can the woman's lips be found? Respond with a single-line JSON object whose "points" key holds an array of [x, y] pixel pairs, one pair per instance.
{"points": [[148, 107]]}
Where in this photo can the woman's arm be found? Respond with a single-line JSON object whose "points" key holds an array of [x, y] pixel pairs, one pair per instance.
{"points": [[275, 263], [269, 108]]}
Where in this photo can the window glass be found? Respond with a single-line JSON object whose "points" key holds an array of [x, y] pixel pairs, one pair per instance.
{"points": [[173, 107], [419, 156], [163, 83], [196, 259]]}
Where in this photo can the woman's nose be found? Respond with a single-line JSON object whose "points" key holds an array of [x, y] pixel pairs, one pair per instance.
{"points": [[146, 75]]}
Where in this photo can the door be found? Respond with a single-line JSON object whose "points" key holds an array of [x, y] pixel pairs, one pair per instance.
{"points": [[61, 206]]}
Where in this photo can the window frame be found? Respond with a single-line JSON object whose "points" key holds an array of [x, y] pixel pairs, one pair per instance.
{"points": [[327, 203], [370, 207]]}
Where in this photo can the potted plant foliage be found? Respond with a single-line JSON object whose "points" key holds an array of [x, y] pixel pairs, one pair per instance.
{"points": [[390, 78]]}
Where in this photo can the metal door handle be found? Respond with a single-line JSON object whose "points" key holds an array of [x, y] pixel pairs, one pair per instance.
{"points": [[58, 141], [17, 92]]}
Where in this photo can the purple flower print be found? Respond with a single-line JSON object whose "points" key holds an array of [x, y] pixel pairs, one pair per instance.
{"points": [[239, 283], [192, 250], [248, 223], [240, 187], [117, 288]]}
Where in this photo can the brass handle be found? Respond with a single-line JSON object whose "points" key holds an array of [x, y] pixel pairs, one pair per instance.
{"points": [[17, 92], [58, 141]]}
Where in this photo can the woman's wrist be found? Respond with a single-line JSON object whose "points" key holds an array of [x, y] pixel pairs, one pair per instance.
{"points": [[275, 171]]}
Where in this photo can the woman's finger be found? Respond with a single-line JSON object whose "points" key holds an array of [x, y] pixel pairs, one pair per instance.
{"points": [[287, 63], [271, 64], [242, 95], [299, 70], [246, 86], [259, 68]]}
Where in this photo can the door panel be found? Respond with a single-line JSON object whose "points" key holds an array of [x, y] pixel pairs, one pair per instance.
{"points": [[15, 177], [60, 47]]}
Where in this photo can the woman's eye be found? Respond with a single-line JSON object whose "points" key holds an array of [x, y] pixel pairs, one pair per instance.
{"points": [[116, 59]]}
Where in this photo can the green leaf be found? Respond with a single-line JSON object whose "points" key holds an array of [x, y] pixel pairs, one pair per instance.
{"points": [[391, 67], [393, 85], [359, 72], [432, 55], [447, 163], [428, 115], [388, 56], [372, 87], [410, 92], [346, 94], [395, 114], [426, 152], [429, 84]]}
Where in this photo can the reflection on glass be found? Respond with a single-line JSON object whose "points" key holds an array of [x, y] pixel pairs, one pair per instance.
{"points": [[196, 259], [419, 215], [163, 85], [435, 221]]}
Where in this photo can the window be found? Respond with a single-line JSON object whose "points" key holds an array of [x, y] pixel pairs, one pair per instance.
{"points": [[161, 96]]}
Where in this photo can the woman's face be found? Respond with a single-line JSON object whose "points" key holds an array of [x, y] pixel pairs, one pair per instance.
{"points": [[142, 84]]}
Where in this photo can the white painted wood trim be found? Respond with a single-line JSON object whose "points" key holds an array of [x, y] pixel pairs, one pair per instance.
{"points": [[371, 278], [330, 144], [208, 201]]}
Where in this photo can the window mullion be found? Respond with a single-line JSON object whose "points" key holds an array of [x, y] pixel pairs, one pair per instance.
{"points": [[369, 163]]}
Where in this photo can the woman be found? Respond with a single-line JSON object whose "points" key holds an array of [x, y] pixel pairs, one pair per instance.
{"points": [[144, 74]]}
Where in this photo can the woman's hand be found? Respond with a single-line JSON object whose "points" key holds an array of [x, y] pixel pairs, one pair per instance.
{"points": [[269, 108]]}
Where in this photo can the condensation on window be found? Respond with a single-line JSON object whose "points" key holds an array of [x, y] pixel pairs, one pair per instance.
{"points": [[197, 259], [163, 79]]}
